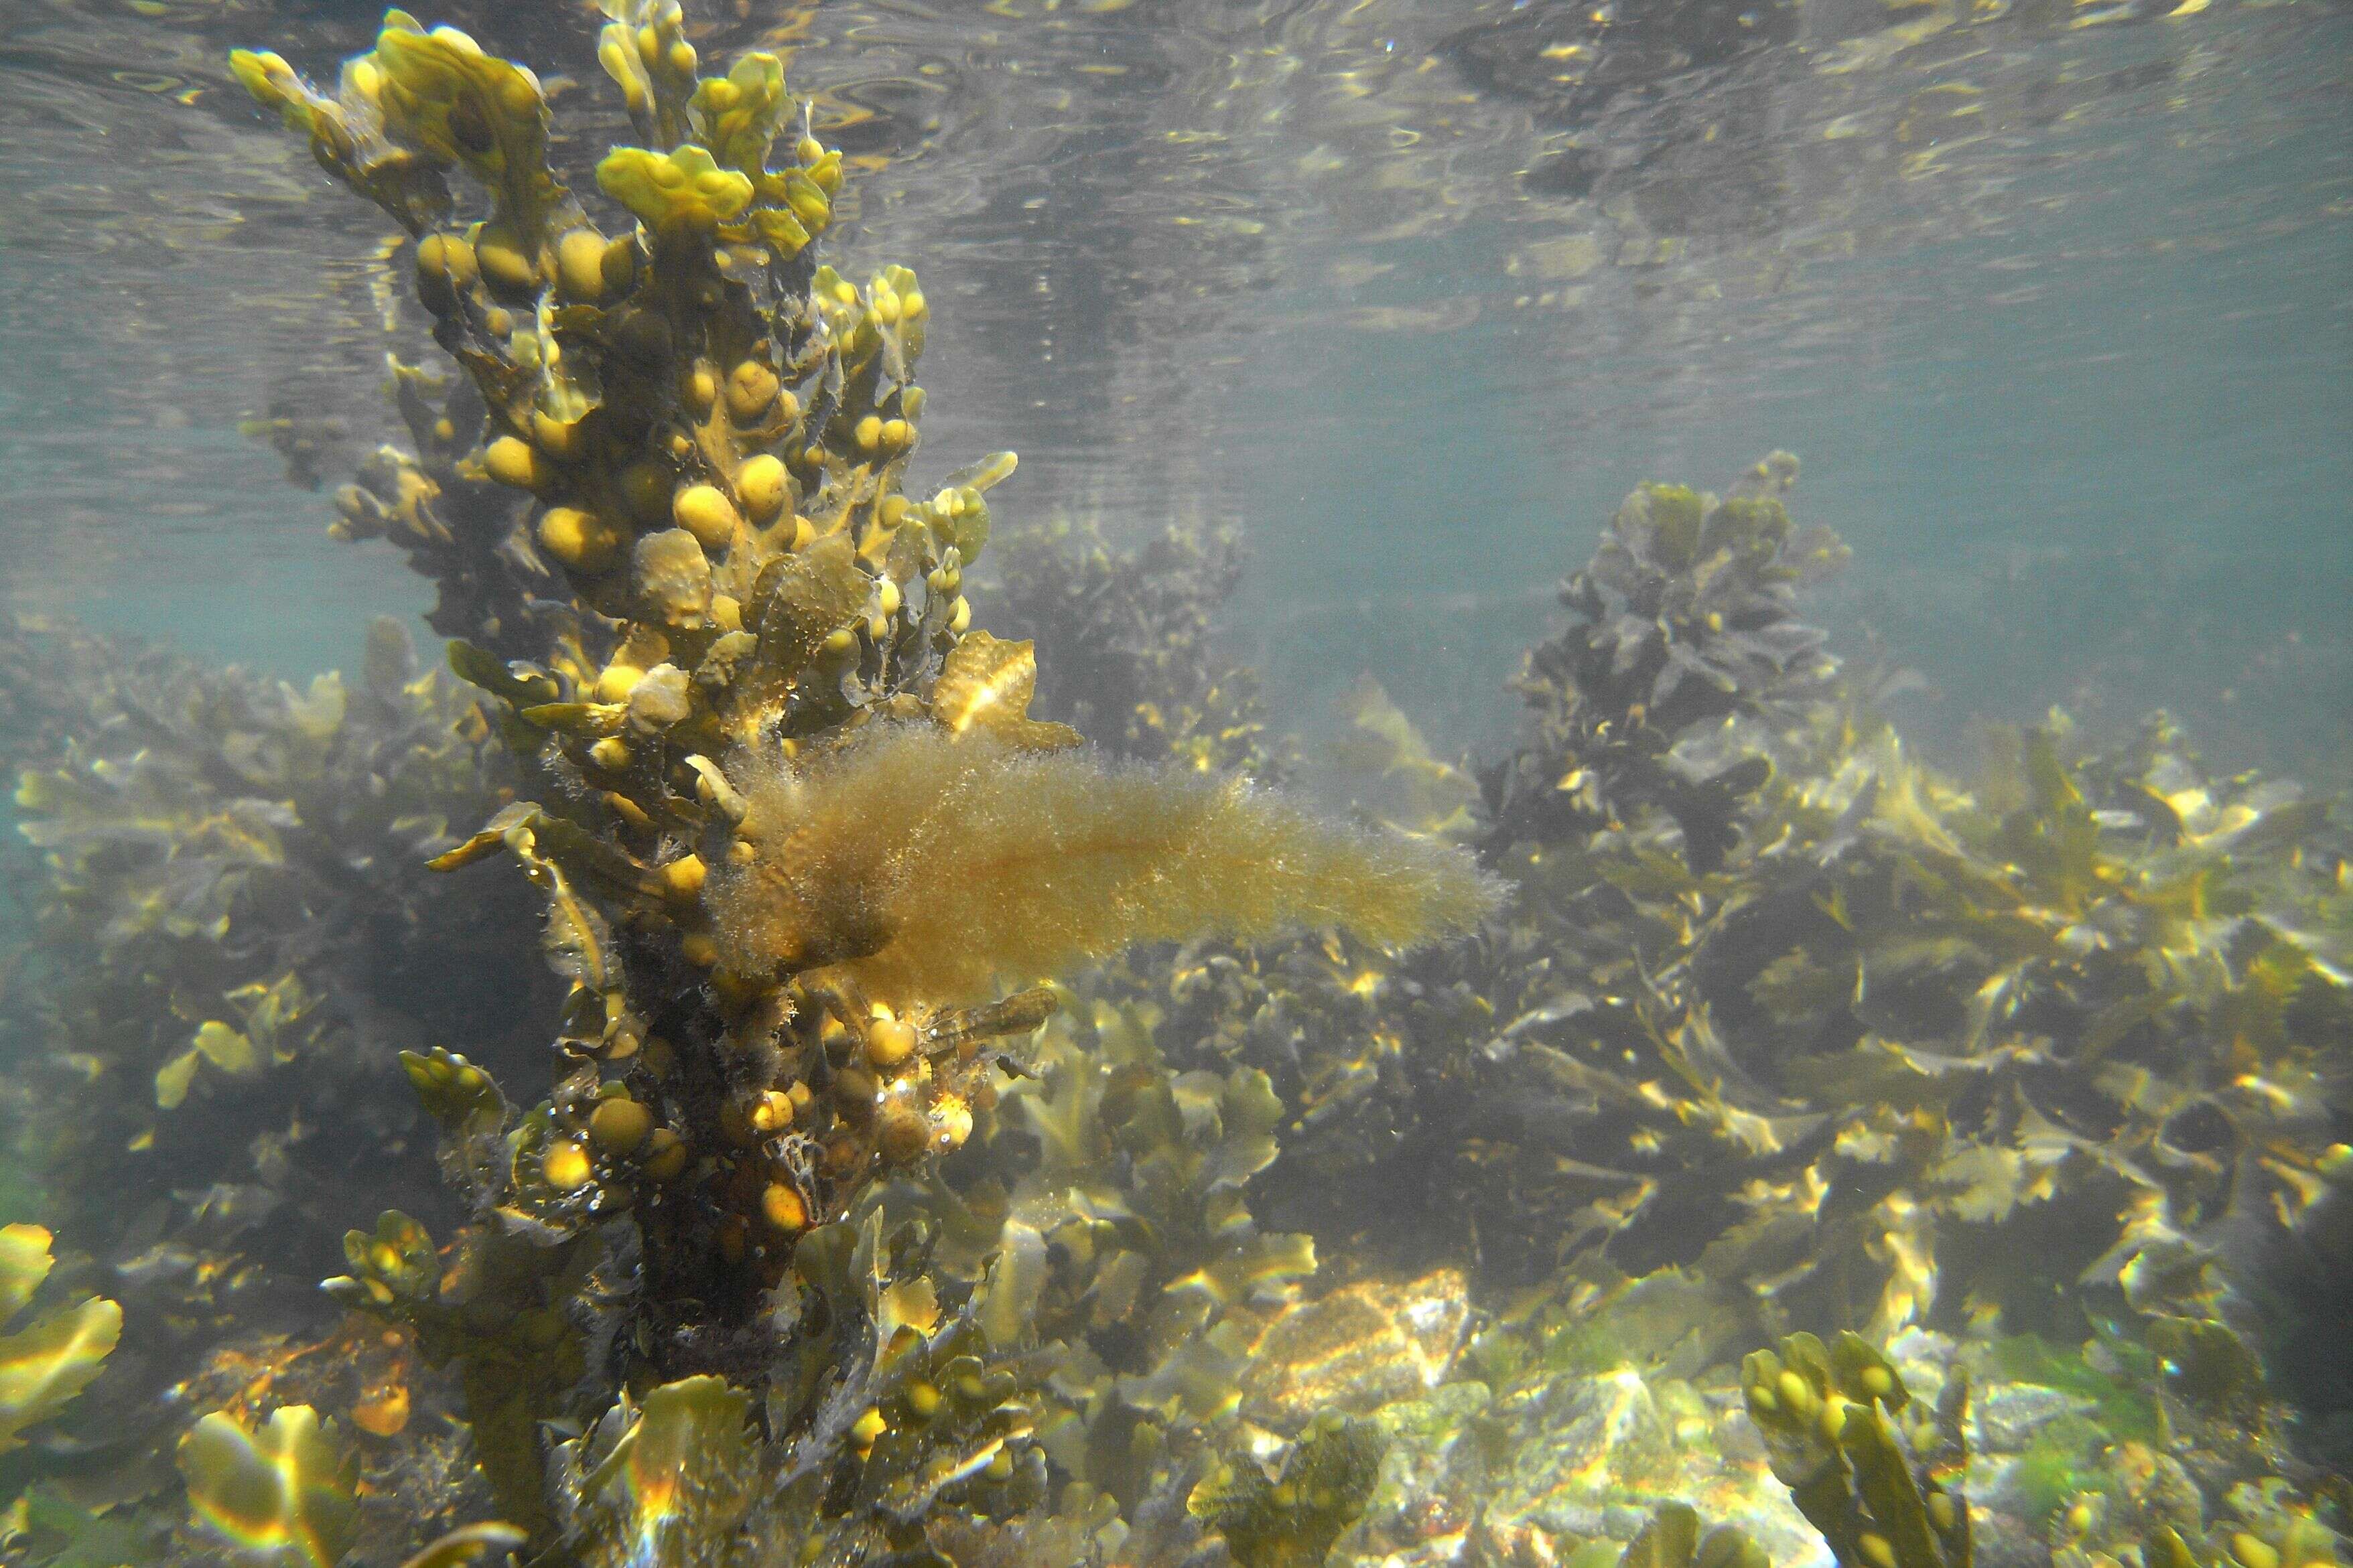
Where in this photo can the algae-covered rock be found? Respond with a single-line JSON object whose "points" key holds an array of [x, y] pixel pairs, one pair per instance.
{"points": [[792, 764], [2007, 1419], [1365, 1345], [1290, 1519]]}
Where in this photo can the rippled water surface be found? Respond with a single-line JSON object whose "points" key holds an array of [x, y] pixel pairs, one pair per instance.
{"points": [[2051, 297]]}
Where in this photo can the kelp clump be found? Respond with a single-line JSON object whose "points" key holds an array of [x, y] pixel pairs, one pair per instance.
{"points": [[231, 937], [794, 825], [1783, 1027], [1779, 1002], [1682, 625], [1106, 1201]]}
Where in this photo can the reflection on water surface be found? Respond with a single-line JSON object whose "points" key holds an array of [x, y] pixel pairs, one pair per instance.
{"points": [[2047, 294]]}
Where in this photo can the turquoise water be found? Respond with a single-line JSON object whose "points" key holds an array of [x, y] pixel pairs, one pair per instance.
{"points": [[2067, 367]]}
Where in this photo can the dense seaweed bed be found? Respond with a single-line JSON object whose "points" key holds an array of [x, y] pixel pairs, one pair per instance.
{"points": [[960, 1133]]}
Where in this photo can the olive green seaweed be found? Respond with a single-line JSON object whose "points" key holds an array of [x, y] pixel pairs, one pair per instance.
{"points": [[879, 1129], [794, 827], [1882, 1496], [1290, 1520]]}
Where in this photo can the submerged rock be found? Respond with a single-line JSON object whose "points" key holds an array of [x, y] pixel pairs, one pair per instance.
{"points": [[1529, 1471], [1359, 1348], [2008, 1417]]}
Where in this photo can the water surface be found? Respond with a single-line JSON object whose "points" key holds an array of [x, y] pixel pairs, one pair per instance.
{"points": [[2051, 298]]}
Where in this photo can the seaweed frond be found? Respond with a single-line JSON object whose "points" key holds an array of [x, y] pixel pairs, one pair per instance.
{"points": [[49, 1361]]}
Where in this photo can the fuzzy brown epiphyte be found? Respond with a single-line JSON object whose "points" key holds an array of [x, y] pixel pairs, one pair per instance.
{"points": [[924, 864]]}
